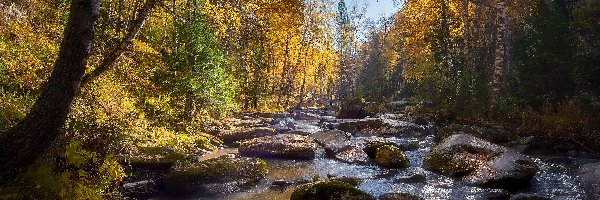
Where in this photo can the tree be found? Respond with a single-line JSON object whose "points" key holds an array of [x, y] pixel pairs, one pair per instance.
{"points": [[23, 144], [500, 60]]}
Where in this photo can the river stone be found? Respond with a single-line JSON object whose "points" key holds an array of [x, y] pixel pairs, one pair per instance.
{"points": [[380, 127], [286, 146], [231, 137], [324, 137], [331, 190], [415, 178], [373, 145], [348, 151], [215, 176], [391, 156], [481, 163], [400, 196]]}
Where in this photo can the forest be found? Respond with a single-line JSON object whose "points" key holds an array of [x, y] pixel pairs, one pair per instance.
{"points": [[299, 99]]}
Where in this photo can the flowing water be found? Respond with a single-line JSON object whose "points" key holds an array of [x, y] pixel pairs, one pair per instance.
{"points": [[554, 180]]}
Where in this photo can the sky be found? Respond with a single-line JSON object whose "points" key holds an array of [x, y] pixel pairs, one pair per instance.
{"points": [[378, 8]]}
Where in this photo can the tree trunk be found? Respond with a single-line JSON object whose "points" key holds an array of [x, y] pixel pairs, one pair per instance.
{"points": [[466, 77], [23, 144], [500, 58], [111, 59]]}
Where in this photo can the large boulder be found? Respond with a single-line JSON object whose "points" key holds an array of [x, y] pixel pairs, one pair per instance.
{"points": [[330, 190], [233, 136], [391, 156], [380, 127], [481, 163], [324, 137], [347, 150], [286, 146], [215, 176]]}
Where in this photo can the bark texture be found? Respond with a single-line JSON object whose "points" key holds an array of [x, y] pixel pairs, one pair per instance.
{"points": [[500, 57], [24, 143]]}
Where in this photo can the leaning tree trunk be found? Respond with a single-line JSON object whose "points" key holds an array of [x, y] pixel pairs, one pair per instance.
{"points": [[500, 58], [23, 144]]}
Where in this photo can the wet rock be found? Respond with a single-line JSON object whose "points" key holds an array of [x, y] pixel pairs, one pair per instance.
{"points": [[523, 196], [159, 158], [324, 137], [348, 151], [380, 127], [415, 178], [400, 196], [281, 183], [373, 145], [353, 155], [391, 156], [355, 126], [588, 176], [331, 190], [215, 176], [231, 137], [481, 163], [282, 125], [286, 146]]}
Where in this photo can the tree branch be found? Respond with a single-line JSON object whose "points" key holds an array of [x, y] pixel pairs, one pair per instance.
{"points": [[111, 59]]}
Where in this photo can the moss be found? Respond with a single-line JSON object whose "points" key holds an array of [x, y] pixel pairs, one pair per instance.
{"points": [[156, 157], [355, 181], [329, 190], [371, 148], [241, 171], [392, 157]]}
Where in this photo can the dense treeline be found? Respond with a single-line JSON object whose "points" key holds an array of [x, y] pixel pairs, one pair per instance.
{"points": [[160, 74], [531, 64], [166, 73]]}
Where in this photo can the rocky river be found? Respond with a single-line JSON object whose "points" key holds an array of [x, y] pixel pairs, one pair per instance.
{"points": [[389, 156]]}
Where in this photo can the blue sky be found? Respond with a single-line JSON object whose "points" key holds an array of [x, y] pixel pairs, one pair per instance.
{"points": [[377, 8]]}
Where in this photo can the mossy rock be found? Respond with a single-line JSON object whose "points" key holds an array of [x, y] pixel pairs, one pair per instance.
{"points": [[215, 176], [329, 190], [480, 163], [354, 181], [155, 158], [371, 147], [284, 146], [391, 156]]}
